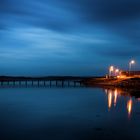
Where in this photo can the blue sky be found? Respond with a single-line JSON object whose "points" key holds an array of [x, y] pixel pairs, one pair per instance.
{"points": [[68, 37]]}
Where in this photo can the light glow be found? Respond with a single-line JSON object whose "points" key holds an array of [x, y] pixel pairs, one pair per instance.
{"points": [[111, 68], [109, 99], [132, 62], [115, 96], [129, 107], [117, 70]]}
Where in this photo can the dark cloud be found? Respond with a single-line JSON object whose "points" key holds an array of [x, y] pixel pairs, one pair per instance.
{"points": [[4, 5], [120, 52], [35, 13], [46, 13], [102, 10], [120, 10], [113, 11], [11, 7]]}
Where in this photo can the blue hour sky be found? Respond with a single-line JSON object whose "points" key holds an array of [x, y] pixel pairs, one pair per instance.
{"points": [[68, 37]]}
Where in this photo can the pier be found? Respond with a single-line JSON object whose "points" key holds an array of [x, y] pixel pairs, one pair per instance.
{"points": [[41, 81]]}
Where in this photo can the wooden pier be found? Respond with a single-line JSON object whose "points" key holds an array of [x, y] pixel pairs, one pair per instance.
{"points": [[41, 81]]}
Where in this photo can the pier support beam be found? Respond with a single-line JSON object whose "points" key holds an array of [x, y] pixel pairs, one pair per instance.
{"points": [[8, 83], [20, 83], [74, 83], [26, 83], [38, 83], [62, 83], [14, 83], [1, 83], [50, 83], [80, 83], [32, 82], [68, 83]]}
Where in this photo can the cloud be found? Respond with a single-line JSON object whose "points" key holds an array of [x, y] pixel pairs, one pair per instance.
{"points": [[121, 52], [107, 11], [75, 33], [39, 14]]}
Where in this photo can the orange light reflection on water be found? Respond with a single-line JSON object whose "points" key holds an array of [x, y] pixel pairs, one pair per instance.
{"points": [[115, 96], [112, 96], [129, 107], [109, 99]]}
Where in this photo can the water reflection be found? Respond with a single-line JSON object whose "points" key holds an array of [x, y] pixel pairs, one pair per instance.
{"points": [[109, 100], [129, 107], [113, 95]]}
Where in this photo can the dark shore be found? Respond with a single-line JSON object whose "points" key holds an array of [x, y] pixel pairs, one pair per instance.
{"points": [[132, 83]]}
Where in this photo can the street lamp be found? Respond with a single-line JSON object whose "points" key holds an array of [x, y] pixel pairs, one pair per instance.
{"points": [[130, 65], [111, 69], [117, 72]]}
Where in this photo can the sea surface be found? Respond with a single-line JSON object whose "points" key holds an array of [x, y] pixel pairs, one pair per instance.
{"points": [[68, 114]]}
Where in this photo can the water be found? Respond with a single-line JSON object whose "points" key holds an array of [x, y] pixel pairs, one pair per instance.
{"points": [[68, 114]]}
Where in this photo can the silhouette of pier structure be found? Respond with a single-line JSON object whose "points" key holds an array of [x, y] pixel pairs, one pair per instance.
{"points": [[42, 81]]}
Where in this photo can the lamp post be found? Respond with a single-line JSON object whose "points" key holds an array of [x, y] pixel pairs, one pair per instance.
{"points": [[130, 65], [116, 72], [111, 69]]}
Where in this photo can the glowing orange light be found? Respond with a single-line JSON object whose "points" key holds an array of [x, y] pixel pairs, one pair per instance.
{"points": [[129, 106], [109, 100], [115, 96], [117, 70]]}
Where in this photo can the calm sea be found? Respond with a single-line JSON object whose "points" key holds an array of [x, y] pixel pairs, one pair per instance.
{"points": [[68, 114]]}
